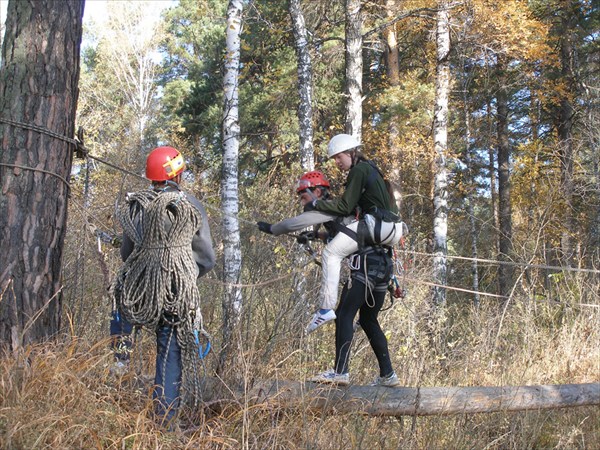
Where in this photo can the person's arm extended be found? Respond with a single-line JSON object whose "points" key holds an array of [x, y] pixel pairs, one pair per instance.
{"points": [[300, 222], [346, 204]]}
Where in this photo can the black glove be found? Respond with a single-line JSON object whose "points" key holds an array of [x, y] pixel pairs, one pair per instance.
{"points": [[310, 206], [264, 227], [306, 236]]}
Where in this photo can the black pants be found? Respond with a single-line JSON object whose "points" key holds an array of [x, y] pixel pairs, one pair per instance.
{"points": [[353, 300]]}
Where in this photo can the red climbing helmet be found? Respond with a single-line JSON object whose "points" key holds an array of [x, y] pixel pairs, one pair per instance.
{"points": [[164, 163], [311, 180]]}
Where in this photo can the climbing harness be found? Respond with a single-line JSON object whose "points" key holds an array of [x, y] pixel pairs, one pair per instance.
{"points": [[372, 266]]}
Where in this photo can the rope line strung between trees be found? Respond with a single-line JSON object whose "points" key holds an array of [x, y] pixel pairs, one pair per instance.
{"points": [[485, 294], [82, 151], [510, 263]]}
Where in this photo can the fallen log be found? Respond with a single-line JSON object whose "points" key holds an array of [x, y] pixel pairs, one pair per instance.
{"points": [[416, 401]]}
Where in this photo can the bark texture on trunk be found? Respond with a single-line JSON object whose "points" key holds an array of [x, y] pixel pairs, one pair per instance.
{"points": [[354, 68], [505, 272], [232, 250], [440, 136], [307, 159], [407, 401], [38, 87]]}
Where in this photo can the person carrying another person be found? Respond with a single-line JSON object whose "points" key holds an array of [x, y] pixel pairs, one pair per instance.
{"points": [[366, 198], [166, 247]]}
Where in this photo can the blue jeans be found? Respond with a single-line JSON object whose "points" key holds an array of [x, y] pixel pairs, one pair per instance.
{"points": [[120, 332], [167, 378]]}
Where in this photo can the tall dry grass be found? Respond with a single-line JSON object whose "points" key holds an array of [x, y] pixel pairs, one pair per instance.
{"points": [[61, 394]]}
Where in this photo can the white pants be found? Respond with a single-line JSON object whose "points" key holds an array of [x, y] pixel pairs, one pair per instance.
{"points": [[340, 247]]}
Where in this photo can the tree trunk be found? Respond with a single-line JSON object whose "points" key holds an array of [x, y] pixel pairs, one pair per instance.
{"points": [[565, 135], [505, 272], [354, 67], [38, 88], [232, 253], [408, 401], [471, 191], [392, 60], [493, 178], [307, 160], [440, 136]]}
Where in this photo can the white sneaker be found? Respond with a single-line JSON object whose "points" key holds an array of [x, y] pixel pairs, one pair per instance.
{"points": [[319, 319], [331, 377], [389, 381]]}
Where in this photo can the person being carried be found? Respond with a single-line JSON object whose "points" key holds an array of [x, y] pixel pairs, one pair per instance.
{"points": [[368, 200], [311, 186], [166, 246]]}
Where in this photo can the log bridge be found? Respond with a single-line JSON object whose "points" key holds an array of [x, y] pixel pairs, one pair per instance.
{"points": [[408, 401]]}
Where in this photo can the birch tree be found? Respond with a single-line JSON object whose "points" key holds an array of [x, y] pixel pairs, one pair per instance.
{"points": [[39, 84], [440, 136], [354, 68], [232, 254], [305, 115]]}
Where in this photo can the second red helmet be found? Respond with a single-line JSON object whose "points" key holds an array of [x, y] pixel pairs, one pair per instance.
{"points": [[311, 180]]}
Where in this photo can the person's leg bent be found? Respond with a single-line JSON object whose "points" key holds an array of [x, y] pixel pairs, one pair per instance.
{"points": [[167, 380], [370, 324], [331, 263]]}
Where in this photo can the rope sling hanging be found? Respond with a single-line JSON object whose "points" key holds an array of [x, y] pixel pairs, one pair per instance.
{"points": [[157, 283]]}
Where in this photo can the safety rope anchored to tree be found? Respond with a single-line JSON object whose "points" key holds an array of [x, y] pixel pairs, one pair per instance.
{"points": [[157, 283]]}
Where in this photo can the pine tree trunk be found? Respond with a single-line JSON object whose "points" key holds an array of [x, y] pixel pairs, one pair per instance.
{"points": [[565, 136], [469, 197], [232, 254], [38, 87], [440, 135], [505, 272], [305, 118], [493, 178], [354, 67], [392, 59]]}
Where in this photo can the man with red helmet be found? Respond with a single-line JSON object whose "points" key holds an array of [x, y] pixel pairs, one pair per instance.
{"points": [[311, 186], [164, 168]]}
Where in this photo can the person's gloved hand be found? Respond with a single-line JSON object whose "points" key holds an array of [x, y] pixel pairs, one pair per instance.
{"points": [[264, 227], [306, 236], [310, 206]]}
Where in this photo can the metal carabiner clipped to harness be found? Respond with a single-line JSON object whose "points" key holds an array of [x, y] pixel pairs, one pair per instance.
{"points": [[202, 353]]}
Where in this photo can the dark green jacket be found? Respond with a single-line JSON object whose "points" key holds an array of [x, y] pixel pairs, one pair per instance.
{"points": [[375, 194]]}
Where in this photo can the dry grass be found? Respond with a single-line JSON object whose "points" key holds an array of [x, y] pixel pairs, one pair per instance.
{"points": [[61, 395]]}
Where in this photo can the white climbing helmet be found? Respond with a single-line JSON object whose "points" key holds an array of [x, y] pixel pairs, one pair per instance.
{"points": [[341, 143]]}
